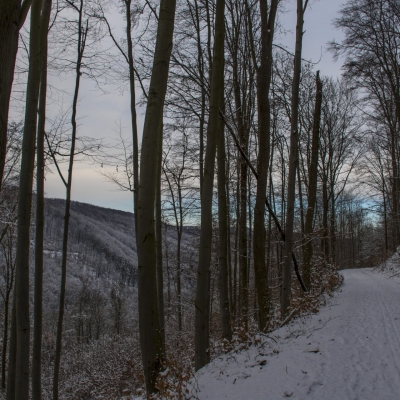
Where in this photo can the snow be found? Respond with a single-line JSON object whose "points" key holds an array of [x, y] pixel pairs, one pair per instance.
{"points": [[391, 267], [349, 350]]}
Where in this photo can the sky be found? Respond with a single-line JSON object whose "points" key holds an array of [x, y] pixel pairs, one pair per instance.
{"points": [[100, 113]]}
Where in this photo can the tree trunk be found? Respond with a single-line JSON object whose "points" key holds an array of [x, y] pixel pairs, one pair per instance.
{"points": [[38, 296], [312, 185], [325, 210], [12, 358], [5, 340], [264, 74], [24, 209], [82, 32], [223, 229], [133, 110], [149, 323], [12, 17], [293, 164], [202, 355], [159, 244]]}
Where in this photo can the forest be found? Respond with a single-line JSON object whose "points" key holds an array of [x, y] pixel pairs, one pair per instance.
{"points": [[254, 178]]}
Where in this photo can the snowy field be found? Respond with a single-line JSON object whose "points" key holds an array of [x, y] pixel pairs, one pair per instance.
{"points": [[350, 350]]}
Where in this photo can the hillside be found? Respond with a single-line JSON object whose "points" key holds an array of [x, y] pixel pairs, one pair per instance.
{"points": [[101, 248]]}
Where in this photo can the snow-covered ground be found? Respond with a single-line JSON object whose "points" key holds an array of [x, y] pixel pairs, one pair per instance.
{"points": [[349, 350]]}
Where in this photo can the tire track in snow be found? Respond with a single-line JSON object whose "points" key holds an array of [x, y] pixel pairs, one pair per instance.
{"points": [[388, 323]]}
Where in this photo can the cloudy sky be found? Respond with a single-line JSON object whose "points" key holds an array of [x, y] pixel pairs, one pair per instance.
{"points": [[100, 113]]}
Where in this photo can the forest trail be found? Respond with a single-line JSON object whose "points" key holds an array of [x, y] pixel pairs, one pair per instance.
{"points": [[350, 350]]}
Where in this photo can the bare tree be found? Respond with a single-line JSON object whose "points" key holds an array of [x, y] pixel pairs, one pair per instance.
{"points": [[312, 184], [293, 162], [202, 355], [149, 323]]}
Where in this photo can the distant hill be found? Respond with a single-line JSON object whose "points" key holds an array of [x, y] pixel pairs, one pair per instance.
{"points": [[102, 250], [101, 246]]}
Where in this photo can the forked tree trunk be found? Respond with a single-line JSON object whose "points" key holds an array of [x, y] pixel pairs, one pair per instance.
{"points": [[149, 323], [264, 73], [38, 294], [312, 185], [293, 164], [202, 355]]}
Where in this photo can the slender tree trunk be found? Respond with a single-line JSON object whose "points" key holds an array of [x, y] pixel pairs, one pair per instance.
{"points": [[12, 358], [300, 200], [178, 276], [264, 74], [24, 209], [223, 229], [159, 244], [312, 185], [133, 110], [82, 32], [325, 211], [5, 340], [228, 220], [293, 164], [200, 66], [149, 323], [38, 296], [385, 220], [395, 190], [243, 281], [202, 355], [235, 264], [12, 17], [332, 228]]}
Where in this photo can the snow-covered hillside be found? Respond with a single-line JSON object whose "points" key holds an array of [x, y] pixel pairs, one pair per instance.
{"points": [[391, 267], [101, 248], [349, 350]]}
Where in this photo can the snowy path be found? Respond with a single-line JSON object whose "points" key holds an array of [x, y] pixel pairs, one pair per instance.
{"points": [[349, 350]]}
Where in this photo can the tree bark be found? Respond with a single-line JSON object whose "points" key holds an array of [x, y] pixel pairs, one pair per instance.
{"points": [[12, 358], [293, 164], [39, 239], [264, 74], [24, 209], [223, 229], [312, 185], [202, 355], [38, 295], [12, 17], [133, 111], [159, 244], [149, 323]]}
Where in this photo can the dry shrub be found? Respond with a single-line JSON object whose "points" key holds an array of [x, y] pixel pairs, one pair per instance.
{"points": [[177, 380], [325, 280], [108, 368]]}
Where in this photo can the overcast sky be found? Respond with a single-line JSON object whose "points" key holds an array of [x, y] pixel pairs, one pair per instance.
{"points": [[100, 113]]}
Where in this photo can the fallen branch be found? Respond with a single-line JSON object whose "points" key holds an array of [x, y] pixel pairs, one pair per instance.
{"points": [[269, 208]]}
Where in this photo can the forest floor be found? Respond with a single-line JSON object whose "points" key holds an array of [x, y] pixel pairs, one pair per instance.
{"points": [[349, 350]]}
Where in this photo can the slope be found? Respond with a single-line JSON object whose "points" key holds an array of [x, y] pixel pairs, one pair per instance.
{"points": [[349, 350]]}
